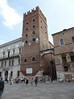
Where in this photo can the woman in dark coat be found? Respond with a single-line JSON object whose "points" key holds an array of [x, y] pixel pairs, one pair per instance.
{"points": [[1, 87]]}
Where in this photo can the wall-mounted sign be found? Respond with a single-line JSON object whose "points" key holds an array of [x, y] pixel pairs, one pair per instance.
{"points": [[29, 71]]}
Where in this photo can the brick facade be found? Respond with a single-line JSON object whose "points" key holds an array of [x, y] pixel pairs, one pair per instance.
{"points": [[35, 39]]}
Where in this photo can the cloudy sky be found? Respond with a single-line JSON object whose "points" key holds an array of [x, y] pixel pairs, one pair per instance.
{"points": [[59, 14]]}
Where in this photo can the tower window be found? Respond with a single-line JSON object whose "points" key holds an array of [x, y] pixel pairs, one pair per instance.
{"points": [[26, 42], [33, 26], [33, 59], [25, 60], [26, 28], [33, 32], [34, 39], [26, 35], [26, 22], [41, 27], [33, 20]]}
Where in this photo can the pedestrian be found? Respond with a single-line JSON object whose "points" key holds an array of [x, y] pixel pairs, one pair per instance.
{"points": [[36, 81], [31, 81], [27, 81], [1, 87], [11, 81]]}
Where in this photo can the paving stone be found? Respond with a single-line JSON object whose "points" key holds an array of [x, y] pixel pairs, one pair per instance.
{"points": [[42, 91]]}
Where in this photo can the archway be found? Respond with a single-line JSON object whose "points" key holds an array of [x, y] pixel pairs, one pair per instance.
{"points": [[6, 75]]}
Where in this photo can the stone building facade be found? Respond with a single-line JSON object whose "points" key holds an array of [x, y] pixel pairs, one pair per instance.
{"points": [[64, 53], [34, 39], [10, 59]]}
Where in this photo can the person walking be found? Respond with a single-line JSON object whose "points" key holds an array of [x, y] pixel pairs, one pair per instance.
{"points": [[27, 81], [31, 81], [1, 87], [36, 81]]}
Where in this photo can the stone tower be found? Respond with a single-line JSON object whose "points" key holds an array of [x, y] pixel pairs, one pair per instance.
{"points": [[34, 40]]}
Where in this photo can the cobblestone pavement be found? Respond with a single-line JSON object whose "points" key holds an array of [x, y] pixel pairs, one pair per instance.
{"points": [[42, 91]]}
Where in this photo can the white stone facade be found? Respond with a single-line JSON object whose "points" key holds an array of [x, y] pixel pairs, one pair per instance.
{"points": [[10, 59]]}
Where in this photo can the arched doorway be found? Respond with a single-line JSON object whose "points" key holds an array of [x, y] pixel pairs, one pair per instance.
{"points": [[11, 74], [6, 75]]}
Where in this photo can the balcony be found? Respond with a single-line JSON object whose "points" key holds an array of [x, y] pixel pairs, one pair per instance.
{"points": [[16, 55]]}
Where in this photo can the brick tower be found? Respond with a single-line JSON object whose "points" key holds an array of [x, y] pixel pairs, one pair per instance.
{"points": [[34, 39]]}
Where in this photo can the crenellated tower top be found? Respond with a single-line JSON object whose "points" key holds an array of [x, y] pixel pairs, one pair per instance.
{"points": [[33, 12]]}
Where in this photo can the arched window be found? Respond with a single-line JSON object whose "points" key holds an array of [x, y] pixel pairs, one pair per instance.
{"points": [[25, 60], [33, 59]]}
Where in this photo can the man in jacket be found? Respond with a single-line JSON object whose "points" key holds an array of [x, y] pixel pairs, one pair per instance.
{"points": [[1, 87]]}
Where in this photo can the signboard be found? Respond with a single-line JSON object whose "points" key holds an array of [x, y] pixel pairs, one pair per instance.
{"points": [[29, 71]]}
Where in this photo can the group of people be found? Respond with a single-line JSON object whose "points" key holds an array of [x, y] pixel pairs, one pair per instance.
{"points": [[25, 80]]}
